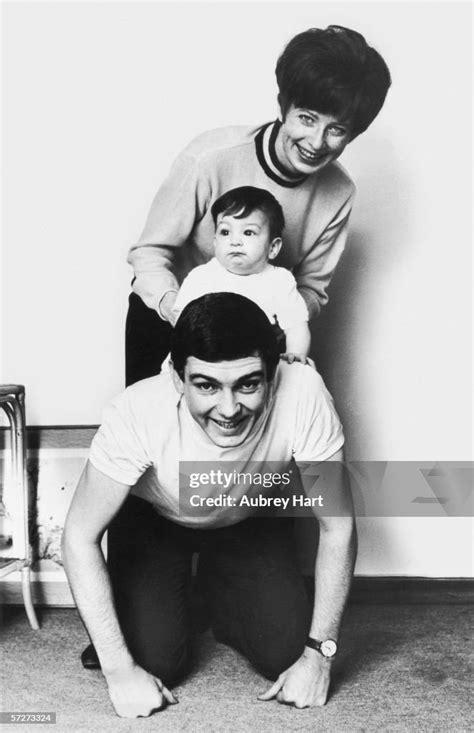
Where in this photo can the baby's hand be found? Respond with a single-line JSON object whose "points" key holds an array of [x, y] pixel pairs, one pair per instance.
{"points": [[301, 358]]}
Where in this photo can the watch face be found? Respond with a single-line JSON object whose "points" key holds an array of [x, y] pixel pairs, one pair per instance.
{"points": [[328, 648]]}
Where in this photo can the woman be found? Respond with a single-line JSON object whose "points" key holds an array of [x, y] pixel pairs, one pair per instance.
{"points": [[331, 87]]}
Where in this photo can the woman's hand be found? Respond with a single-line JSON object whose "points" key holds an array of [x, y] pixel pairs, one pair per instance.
{"points": [[166, 306]]}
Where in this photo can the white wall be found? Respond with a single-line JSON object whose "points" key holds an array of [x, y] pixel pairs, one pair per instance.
{"points": [[98, 99]]}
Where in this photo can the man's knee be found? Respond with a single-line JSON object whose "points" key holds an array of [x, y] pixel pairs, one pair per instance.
{"points": [[169, 665], [271, 662], [269, 656]]}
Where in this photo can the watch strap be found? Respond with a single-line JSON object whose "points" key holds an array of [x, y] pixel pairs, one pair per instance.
{"points": [[316, 645], [313, 644]]}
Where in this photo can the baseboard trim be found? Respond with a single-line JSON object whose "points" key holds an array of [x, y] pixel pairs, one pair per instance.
{"points": [[407, 590], [365, 590], [53, 436], [43, 593]]}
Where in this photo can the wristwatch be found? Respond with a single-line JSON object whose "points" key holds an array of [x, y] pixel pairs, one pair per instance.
{"points": [[327, 648]]}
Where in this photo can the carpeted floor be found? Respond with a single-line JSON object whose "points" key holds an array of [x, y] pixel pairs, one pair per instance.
{"points": [[401, 668]]}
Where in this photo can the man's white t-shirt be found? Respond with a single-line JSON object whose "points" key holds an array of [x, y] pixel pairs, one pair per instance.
{"points": [[148, 431], [273, 290]]}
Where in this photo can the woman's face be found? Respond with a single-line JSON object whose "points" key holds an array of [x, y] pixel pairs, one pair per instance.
{"points": [[308, 140]]}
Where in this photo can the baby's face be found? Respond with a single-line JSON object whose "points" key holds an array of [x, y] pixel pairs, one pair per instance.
{"points": [[244, 246]]}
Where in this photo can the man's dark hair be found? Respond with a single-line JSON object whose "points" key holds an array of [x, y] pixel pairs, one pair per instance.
{"points": [[223, 327], [335, 72], [240, 202]]}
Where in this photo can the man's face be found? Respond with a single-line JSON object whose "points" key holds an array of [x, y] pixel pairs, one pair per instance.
{"points": [[308, 140], [244, 246], [225, 398]]}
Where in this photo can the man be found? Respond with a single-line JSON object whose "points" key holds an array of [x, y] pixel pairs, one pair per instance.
{"points": [[225, 399], [331, 86]]}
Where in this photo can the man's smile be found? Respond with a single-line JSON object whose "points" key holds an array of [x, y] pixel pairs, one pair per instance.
{"points": [[226, 398]]}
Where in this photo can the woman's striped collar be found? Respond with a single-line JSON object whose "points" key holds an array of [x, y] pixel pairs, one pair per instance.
{"points": [[265, 148]]}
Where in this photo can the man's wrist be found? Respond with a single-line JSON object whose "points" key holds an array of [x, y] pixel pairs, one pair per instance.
{"points": [[316, 660], [118, 665], [326, 647]]}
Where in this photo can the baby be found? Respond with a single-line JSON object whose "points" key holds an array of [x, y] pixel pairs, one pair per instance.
{"points": [[249, 223]]}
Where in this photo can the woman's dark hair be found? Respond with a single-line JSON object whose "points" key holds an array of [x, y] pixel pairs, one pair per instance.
{"points": [[223, 327], [240, 202], [333, 71]]}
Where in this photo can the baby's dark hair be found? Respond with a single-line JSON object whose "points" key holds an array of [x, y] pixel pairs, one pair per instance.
{"points": [[240, 202], [333, 71], [223, 327]]}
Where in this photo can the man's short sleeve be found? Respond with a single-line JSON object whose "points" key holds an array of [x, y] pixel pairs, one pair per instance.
{"points": [[118, 449], [318, 433]]}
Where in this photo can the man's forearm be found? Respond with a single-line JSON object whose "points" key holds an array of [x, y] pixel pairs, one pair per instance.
{"points": [[306, 682], [90, 585], [333, 574]]}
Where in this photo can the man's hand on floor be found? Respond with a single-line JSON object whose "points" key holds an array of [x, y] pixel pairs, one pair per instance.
{"points": [[304, 684], [136, 693]]}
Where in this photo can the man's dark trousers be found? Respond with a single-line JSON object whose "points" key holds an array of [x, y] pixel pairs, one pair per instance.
{"points": [[250, 577]]}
